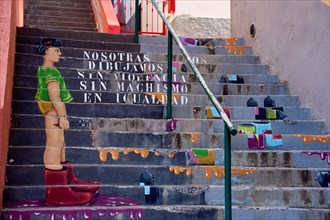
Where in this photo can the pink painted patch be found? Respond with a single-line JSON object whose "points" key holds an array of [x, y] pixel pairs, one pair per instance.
{"points": [[109, 205]]}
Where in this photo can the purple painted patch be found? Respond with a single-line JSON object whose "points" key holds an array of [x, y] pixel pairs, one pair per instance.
{"points": [[102, 205], [324, 155]]}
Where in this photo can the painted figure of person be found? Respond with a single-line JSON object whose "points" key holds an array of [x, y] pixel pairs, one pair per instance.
{"points": [[62, 187]]}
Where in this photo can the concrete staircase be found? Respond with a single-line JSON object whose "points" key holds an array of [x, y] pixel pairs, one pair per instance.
{"points": [[111, 96]]}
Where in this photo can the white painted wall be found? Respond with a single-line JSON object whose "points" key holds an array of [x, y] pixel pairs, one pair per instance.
{"points": [[293, 38], [203, 8]]}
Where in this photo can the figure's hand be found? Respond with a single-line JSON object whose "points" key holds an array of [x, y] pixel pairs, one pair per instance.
{"points": [[64, 123]]}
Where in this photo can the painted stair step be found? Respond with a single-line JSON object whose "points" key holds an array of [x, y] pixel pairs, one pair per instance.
{"points": [[156, 85], [148, 48], [64, 28], [83, 63], [235, 50], [62, 1], [33, 7], [87, 138], [59, 18], [144, 125], [25, 70], [184, 212], [88, 45], [75, 35], [161, 40], [246, 158], [28, 45], [73, 14], [81, 97], [129, 175], [197, 58], [202, 195], [67, 23], [242, 113], [67, 4], [97, 110], [198, 112], [105, 140], [118, 56]]}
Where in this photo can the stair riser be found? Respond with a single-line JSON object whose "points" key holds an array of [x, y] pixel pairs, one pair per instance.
{"points": [[314, 198], [32, 7], [57, 1], [74, 14], [179, 141], [55, 18], [27, 45], [147, 85], [150, 126], [196, 58], [76, 5], [24, 70], [140, 67], [50, 23], [161, 40], [113, 175], [74, 35], [97, 139], [193, 113], [211, 213], [146, 48], [262, 158]]}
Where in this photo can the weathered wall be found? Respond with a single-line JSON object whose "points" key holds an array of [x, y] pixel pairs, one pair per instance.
{"points": [[201, 27], [292, 37], [7, 46]]}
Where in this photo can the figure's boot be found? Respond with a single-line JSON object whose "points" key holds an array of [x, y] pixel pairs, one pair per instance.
{"points": [[59, 193], [80, 185]]}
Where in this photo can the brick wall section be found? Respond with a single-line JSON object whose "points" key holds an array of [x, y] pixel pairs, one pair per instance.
{"points": [[8, 40]]}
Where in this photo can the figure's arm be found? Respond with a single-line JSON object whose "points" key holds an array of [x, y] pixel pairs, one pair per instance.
{"points": [[55, 98]]}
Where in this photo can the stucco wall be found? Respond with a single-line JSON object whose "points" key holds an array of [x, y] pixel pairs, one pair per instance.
{"points": [[201, 27], [292, 37]]}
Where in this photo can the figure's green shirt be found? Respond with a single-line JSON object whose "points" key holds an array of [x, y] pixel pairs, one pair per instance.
{"points": [[46, 75]]}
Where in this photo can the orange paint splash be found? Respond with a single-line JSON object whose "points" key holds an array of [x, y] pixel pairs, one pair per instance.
{"points": [[209, 170], [194, 138], [115, 153], [178, 170], [309, 138], [171, 155], [236, 49], [230, 41]]}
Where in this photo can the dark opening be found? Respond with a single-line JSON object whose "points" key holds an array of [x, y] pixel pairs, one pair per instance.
{"points": [[252, 30]]}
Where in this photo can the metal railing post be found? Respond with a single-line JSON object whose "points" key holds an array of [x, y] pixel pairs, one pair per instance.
{"points": [[228, 209], [137, 22], [169, 76]]}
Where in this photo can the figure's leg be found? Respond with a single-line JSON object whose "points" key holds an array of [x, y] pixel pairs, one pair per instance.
{"points": [[54, 142]]}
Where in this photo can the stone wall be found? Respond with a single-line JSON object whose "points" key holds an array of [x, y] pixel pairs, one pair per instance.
{"points": [[199, 27], [292, 37]]}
